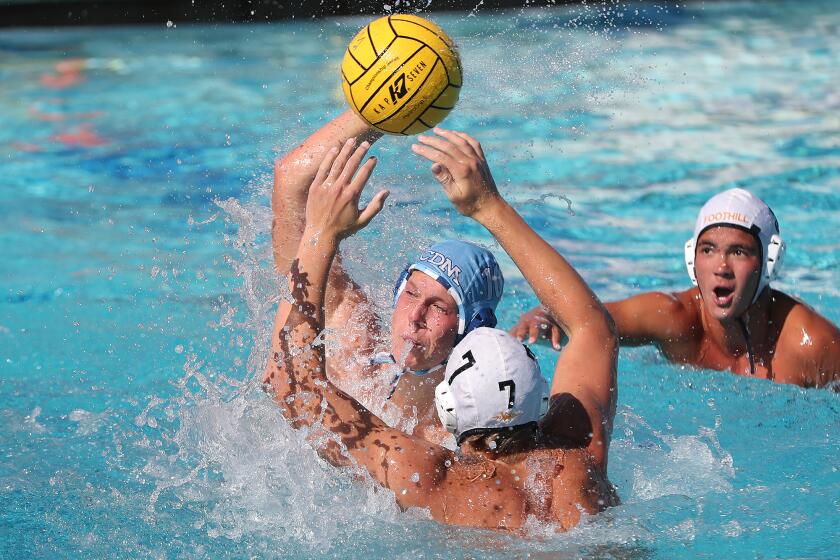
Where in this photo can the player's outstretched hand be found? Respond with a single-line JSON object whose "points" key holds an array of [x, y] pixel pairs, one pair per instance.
{"points": [[458, 163], [536, 326], [332, 207]]}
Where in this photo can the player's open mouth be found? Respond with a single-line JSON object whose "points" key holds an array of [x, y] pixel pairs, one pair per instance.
{"points": [[723, 296]]}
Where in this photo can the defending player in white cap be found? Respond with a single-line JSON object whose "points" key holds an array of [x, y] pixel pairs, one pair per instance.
{"points": [[493, 381], [515, 460], [733, 319]]}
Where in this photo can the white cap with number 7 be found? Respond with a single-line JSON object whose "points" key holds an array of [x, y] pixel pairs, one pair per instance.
{"points": [[492, 381]]}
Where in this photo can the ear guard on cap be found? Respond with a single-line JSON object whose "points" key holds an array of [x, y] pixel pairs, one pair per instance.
{"points": [[484, 317], [445, 404], [689, 260], [546, 400], [400, 284], [775, 257]]}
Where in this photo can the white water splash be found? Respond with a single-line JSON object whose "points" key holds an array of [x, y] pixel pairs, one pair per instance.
{"points": [[674, 465], [88, 422]]}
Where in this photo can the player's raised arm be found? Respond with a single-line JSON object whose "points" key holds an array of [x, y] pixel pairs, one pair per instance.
{"points": [[331, 212], [584, 385], [294, 173], [296, 370]]}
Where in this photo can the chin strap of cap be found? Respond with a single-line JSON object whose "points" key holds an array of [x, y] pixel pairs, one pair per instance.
{"points": [[749, 344], [384, 358]]}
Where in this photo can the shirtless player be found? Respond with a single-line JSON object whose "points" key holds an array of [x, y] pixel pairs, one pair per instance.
{"points": [[733, 319], [513, 462]]}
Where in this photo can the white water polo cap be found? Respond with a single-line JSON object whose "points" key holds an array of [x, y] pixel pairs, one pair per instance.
{"points": [[469, 273], [741, 208], [492, 381]]}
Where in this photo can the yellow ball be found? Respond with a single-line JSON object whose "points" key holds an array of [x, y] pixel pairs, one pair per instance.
{"points": [[401, 74]]}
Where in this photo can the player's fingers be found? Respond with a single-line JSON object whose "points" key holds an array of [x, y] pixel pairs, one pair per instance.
{"points": [[442, 174], [441, 162], [341, 159], [516, 332], [445, 145], [326, 165], [533, 332], [432, 154], [372, 209], [466, 143], [353, 163], [556, 337], [476, 145], [361, 178]]}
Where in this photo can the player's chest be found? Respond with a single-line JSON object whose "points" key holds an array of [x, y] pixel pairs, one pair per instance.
{"points": [[760, 365]]}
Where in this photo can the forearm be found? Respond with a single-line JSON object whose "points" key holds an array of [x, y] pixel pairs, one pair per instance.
{"points": [[585, 369], [555, 282], [303, 392], [294, 173], [296, 370], [627, 324]]}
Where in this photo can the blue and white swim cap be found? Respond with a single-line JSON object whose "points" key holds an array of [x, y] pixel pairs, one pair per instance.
{"points": [[470, 274]]}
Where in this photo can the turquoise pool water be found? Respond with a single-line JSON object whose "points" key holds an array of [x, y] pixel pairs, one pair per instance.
{"points": [[136, 280]]}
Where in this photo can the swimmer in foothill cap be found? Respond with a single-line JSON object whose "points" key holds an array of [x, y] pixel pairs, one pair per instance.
{"points": [[451, 288], [524, 451], [733, 319]]}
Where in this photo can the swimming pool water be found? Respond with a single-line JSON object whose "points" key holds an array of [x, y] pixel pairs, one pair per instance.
{"points": [[136, 287]]}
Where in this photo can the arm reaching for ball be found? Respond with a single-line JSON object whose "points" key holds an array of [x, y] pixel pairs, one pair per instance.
{"points": [[584, 385], [348, 312]]}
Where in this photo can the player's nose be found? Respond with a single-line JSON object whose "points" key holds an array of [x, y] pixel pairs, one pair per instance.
{"points": [[416, 314]]}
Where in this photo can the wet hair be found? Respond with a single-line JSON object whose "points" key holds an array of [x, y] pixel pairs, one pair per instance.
{"points": [[501, 440]]}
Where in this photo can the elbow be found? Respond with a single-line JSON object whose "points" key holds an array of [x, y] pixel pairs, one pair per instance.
{"points": [[610, 330], [600, 327], [604, 324], [287, 164], [608, 335], [287, 170]]}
